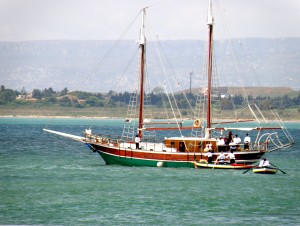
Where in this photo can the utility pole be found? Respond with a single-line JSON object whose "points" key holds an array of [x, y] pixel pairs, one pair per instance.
{"points": [[191, 73]]}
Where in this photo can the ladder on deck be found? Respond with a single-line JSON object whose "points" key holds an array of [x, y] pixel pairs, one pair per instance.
{"points": [[130, 122]]}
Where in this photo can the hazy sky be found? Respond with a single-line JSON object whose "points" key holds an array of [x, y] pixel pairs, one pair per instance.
{"points": [[172, 19]]}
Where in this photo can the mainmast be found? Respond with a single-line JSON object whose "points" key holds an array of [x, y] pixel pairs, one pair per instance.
{"points": [[210, 21], [142, 72]]}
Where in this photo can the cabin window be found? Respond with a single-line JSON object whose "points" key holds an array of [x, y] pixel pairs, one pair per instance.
{"points": [[172, 144], [181, 147], [200, 145]]}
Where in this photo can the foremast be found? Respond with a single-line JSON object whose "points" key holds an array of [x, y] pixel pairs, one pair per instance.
{"points": [[210, 21], [142, 73]]}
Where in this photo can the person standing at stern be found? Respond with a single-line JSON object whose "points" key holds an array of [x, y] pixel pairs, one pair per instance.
{"points": [[137, 141]]}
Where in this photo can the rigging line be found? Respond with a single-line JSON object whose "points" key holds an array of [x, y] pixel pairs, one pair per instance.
{"points": [[242, 109], [253, 114], [172, 93], [232, 47], [117, 85], [173, 111], [249, 62], [155, 61], [155, 4], [287, 134], [61, 140], [266, 121], [53, 117], [216, 91], [239, 42], [161, 94], [247, 57], [284, 129], [235, 114], [164, 72], [199, 108], [187, 100], [174, 100], [147, 98], [101, 62], [278, 140], [201, 98]]}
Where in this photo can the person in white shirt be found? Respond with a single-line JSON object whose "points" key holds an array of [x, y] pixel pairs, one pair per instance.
{"points": [[137, 141], [221, 158], [220, 141], [247, 141], [232, 146], [264, 162], [231, 157], [237, 139], [209, 157], [208, 147], [221, 144]]}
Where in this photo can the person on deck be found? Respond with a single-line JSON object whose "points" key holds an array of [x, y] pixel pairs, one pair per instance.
{"points": [[137, 141], [221, 158], [209, 157], [237, 139], [264, 163], [231, 157], [229, 138], [181, 147], [220, 144], [247, 141], [208, 147], [232, 146]]}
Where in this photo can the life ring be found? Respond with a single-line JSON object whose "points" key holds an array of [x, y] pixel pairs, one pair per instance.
{"points": [[197, 123]]}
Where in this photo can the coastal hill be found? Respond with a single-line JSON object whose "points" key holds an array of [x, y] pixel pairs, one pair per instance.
{"points": [[59, 64], [254, 91]]}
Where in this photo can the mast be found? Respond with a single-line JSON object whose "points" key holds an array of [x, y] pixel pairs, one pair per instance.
{"points": [[210, 21], [142, 72]]}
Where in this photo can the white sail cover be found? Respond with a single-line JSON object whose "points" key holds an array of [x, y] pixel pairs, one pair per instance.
{"points": [[242, 129], [142, 34], [210, 18], [73, 137]]}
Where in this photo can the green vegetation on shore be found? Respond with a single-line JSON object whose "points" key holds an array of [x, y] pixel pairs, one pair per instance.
{"points": [[113, 112], [48, 102]]}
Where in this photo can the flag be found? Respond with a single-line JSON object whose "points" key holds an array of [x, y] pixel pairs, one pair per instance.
{"points": [[204, 91]]}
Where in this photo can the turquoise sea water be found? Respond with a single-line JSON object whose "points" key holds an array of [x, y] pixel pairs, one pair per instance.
{"points": [[46, 180]]}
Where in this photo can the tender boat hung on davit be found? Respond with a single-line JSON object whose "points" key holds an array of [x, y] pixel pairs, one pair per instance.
{"points": [[206, 129]]}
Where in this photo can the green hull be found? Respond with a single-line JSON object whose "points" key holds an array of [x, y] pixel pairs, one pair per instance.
{"points": [[126, 161]]}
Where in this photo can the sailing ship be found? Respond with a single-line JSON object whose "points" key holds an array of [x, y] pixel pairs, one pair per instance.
{"points": [[182, 151]]}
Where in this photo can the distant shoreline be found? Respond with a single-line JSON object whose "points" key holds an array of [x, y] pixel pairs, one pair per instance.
{"points": [[88, 117], [62, 117]]}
